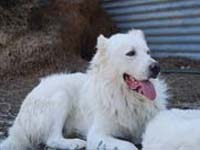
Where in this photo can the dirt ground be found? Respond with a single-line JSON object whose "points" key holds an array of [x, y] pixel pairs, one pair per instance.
{"points": [[184, 88]]}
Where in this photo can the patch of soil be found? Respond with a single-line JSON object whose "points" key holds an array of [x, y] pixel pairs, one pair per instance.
{"points": [[184, 85], [185, 91], [12, 93], [179, 63]]}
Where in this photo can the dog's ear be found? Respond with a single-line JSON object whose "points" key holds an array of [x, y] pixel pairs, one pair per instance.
{"points": [[136, 31], [99, 58], [101, 43]]}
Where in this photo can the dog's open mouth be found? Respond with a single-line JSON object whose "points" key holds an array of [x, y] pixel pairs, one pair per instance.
{"points": [[145, 88]]}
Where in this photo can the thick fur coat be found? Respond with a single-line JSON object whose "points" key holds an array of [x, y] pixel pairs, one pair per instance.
{"points": [[96, 105], [174, 129]]}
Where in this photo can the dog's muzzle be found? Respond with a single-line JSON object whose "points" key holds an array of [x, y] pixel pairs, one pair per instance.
{"points": [[154, 69]]}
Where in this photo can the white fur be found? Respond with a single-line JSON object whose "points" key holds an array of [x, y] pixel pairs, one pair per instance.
{"points": [[96, 105], [173, 130]]}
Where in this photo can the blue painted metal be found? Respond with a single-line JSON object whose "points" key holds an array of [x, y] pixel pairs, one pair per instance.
{"points": [[158, 23], [190, 12], [189, 39], [172, 27], [126, 9]]}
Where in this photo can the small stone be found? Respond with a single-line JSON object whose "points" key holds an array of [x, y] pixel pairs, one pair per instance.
{"points": [[1, 133], [4, 108], [182, 67], [10, 122], [188, 67]]}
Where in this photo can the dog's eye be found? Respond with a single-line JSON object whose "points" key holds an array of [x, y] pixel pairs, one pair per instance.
{"points": [[131, 53], [148, 52]]}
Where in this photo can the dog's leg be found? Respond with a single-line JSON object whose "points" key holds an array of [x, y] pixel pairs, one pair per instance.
{"points": [[101, 141], [100, 138], [56, 139], [62, 143]]}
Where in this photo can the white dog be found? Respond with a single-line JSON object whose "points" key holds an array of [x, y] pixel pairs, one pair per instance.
{"points": [[173, 130], [114, 100]]}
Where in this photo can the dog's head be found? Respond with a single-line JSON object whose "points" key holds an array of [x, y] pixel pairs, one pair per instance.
{"points": [[129, 57]]}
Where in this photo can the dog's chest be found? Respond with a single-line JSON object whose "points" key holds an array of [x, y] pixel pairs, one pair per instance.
{"points": [[132, 114]]}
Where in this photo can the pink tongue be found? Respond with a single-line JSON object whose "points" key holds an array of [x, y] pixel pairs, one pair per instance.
{"points": [[145, 88]]}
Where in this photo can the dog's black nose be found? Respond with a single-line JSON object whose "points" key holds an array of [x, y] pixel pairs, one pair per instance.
{"points": [[154, 70]]}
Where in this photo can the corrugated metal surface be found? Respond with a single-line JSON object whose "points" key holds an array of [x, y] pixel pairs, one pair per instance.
{"points": [[172, 26]]}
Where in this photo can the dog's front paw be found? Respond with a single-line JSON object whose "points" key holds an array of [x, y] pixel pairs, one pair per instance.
{"points": [[116, 146], [127, 146], [62, 144], [77, 144]]}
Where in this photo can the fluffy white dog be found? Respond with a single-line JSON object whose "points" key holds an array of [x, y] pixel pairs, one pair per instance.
{"points": [[173, 130], [114, 100]]}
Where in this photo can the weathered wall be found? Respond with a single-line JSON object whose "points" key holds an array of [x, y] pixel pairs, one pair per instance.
{"points": [[172, 26]]}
